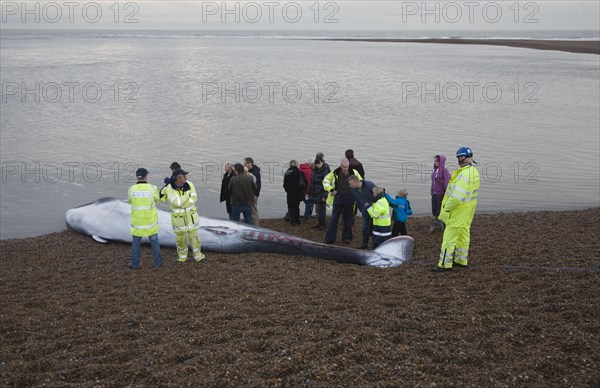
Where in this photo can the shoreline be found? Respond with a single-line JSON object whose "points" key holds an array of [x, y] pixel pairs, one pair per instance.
{"points": [[571, 46], [276, 220], [73, 314]]}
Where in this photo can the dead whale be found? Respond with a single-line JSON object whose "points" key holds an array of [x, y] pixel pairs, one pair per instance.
{"points": [[108, 219]]}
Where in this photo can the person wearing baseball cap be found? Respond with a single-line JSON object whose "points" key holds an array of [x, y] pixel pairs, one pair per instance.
{"points": [[181, 196], [143, 198], [458, 210]]}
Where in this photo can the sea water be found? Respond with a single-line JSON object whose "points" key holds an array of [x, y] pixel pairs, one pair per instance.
{"points": [[81, 110]]}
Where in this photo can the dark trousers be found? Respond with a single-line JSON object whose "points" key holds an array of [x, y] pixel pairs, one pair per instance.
{"points": [[346, 212], [436, 204], [378, 240], [294, 210], [399, 228], [320, 209], [366, 229]]}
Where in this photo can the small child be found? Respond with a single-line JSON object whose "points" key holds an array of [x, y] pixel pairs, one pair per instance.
{"points": [[379, 211], [402, 210]]}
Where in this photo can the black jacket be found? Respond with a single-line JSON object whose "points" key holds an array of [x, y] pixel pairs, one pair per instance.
{"points": [[356, 165], [225, 191], [293, 186], [316, 191], [255, 170]]}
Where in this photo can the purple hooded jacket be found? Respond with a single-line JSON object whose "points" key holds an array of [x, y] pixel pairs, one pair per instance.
{"points": [[440, 178]]}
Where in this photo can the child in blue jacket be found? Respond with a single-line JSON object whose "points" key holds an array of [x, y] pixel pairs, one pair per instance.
{"points": [[402, 210]]}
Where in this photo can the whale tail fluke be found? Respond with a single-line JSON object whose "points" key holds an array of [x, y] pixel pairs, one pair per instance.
{"points": [[393, 252]]}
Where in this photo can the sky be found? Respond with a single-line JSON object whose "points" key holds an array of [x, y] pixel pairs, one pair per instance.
{"points": [[303, 15]]}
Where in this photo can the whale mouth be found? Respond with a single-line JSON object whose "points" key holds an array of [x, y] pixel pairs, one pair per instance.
{"points": [[71, 228], [70, 220]]}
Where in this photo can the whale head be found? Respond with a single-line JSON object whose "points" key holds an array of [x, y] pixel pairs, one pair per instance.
{"points": [[103, 217]]}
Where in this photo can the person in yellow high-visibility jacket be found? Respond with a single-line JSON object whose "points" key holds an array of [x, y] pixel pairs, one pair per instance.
{"points": [[458, 210], [143, 198], [181, 196], [382, 219]]}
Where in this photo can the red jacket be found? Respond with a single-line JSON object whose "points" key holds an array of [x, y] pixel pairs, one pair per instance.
{"points": [[307, 171]]}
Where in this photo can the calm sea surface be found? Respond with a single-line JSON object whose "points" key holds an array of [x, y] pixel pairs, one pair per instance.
{"points": [[80, 111]]}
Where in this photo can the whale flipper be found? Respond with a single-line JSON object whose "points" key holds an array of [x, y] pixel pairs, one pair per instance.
{"points": [[99, 239]]}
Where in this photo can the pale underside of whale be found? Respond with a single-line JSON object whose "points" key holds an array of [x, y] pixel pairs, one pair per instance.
{"points": [[109, 219]]}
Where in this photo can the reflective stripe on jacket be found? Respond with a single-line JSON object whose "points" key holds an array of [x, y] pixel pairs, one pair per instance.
{"points": [[184, 215], [382, 220], [460, 200], [143, 198], [330, 183]]}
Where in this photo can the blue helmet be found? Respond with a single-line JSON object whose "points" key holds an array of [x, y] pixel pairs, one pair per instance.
{"points": [[464, 152]]}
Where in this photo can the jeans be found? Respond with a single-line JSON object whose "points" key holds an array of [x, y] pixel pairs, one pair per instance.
{"points": [[246, 210], [308, 209], [136, 253]]}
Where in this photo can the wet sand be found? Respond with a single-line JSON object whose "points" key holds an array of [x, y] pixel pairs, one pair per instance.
{"points": [[573, 46], [526, 312]]}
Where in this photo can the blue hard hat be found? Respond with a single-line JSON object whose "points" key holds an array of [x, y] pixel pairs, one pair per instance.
{"points": [[465, 152]]}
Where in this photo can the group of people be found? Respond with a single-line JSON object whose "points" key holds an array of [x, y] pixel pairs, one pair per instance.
{"points": [[349, 192], [240, 189], [344, 189]]}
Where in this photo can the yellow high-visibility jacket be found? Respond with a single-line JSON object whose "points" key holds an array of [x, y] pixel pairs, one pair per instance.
{"points": [[460, 200], [382, 220], [184, 215], [330, 183], [143, 198]]}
